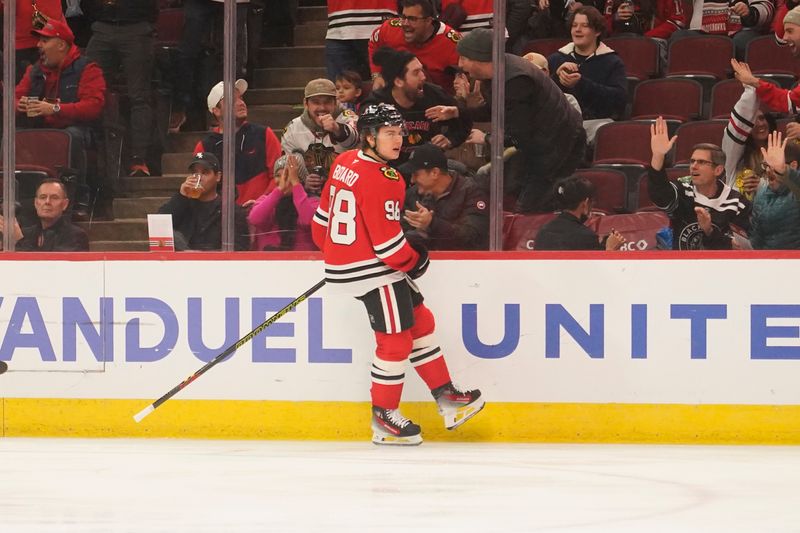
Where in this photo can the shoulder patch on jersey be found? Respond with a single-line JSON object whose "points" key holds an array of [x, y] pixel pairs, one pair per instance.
{"points": [[454, 36], [347, 113], [390, 173], [685, 179], [395, 23]]}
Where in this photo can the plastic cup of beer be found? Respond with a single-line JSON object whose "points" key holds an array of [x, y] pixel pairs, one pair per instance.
{"points": [[196, 189], [32, 112]]}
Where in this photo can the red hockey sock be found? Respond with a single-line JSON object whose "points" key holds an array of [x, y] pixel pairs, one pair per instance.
{"points": [[426, 356]]}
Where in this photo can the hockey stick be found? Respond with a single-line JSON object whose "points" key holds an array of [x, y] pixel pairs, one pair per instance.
{"points": [[3, 367], [264, 325]]}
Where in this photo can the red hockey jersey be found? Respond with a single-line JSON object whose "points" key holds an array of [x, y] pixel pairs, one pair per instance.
{"points": [[436, 54], [480, 13], [357, 19], [357, 225]]}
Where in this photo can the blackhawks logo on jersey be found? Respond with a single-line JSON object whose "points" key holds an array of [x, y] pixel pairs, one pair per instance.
{"points": [[390, 173], [395, 22], [454, 36]]}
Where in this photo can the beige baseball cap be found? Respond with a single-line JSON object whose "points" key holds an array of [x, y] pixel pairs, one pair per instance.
{"points": [[320, 87], [215, 95]]}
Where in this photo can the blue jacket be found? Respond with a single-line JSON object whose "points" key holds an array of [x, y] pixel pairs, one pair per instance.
{"points": [[603, 88], [775, 224]]}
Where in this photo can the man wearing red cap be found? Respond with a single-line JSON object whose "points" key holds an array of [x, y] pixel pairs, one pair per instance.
{"points": [[63, 90]]}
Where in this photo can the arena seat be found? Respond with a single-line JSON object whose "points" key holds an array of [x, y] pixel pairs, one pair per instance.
{"points": [[640, 55], [639, 229], [623, 143], [610, 189], [676, 99], [169, 27], [642, 200], [520, 230], [768, 60], [724, 96], [691, 133], [703, 56]]}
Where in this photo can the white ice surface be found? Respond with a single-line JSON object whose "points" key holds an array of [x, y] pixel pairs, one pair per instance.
{"points": [[143, 486]]}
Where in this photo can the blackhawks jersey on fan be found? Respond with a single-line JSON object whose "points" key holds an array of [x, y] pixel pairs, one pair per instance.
{"points": [[435, 54], [356, 19], [357, 225]]}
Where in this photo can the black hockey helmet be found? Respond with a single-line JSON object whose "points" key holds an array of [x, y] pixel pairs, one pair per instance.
{"points": [[375, 116]]}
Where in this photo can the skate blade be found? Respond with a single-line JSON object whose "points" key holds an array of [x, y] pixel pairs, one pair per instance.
{"points": [[392, 440], [463, 414]]}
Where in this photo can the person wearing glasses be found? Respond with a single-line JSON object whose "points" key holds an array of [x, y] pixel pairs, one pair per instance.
{"points": [[52, 232], [701, 207], [417, 31]]}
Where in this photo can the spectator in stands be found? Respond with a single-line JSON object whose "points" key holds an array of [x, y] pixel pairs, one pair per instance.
{"points": [[256, 146], [467, 15], [549, 21], [775, 224], [540, 123], [350, 25], [657, 19], [417, 31], [197, 214], [701, 207], [31, 15], [743, 20], [444, 209], [323, 130], [776, 98], [122, 36], [574, 196], [540, 61], [431, 115], [783, 7], [349, 92], [281, 220], [202, 38], [591, 71], [744, 137], [65, 90], [53, 232]]}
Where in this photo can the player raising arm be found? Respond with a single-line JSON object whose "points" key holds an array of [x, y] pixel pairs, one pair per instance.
{"points": [[357, 227]]}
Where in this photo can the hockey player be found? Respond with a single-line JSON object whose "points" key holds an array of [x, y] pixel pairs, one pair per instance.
{"points": [[357, 227]]}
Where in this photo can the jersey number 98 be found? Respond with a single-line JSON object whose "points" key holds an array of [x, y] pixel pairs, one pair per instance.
{"points": [[343, 222]]}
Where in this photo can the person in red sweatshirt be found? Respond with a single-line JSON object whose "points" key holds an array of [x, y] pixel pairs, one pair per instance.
{"points": [[30, 15], [65, 90]]}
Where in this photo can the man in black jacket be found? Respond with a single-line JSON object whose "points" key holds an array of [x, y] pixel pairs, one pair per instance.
{"points": [[419, 102], [53, 232], [444, 209], [197, 209], [545, 129]]}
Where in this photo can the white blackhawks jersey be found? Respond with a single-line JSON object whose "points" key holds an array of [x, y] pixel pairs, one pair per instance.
{"points": [[356, 19], [357, 225]]}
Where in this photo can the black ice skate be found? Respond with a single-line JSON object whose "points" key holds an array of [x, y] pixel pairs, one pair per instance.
{"points": [[390, 427], [457, 406]]}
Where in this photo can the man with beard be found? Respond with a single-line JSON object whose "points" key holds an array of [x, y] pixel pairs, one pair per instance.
{"points": [[783, 100], [431, 115], [257, 147], [323, 130], [417, 31]]}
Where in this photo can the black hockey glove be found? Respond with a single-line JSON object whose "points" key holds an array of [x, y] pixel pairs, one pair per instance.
{"points": [[422, 263]]}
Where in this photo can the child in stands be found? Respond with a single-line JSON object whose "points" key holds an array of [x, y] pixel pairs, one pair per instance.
{"points": [[348, 90]]}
